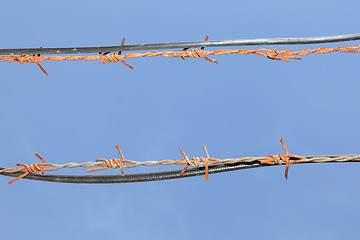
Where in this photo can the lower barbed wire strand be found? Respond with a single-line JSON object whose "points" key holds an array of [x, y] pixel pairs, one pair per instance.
{"points": [[166, 175], [199, 163]]}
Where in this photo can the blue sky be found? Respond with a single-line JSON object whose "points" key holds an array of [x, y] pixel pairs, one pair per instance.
{"points": [[239, 107]]}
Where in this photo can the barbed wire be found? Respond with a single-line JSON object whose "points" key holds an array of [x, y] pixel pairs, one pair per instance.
{"points": [[105, 57], [202, 165], [182, 45]]}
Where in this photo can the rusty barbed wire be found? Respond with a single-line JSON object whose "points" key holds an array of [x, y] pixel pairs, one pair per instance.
{"points": [[106, 57], [186, 45], [33, 168], [197, 162]]}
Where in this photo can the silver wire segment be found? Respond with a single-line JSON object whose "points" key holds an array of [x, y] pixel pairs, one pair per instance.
{"points": [[182, 45]]}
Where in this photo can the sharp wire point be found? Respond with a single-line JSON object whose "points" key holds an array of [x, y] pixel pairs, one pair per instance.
{"points": [[206, 151], [120, 152]]}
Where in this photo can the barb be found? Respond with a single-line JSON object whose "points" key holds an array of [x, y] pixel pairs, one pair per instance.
{"points": [[202, 165], [283, 158], [200, 162], [112, 163], [105, 57], [114, 57], [33, 168]]}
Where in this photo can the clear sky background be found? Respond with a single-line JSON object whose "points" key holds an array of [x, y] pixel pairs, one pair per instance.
{"points": [[239, 107]]}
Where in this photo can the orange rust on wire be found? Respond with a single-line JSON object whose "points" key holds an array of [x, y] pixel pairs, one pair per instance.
{"points": [[206, 38], [194, 53], [207, 156], [282, 55], [118, 148], [282, 158], [122, 44], [187, 160], [31, 59], [40, 157], [285, 158], [114, 57], [206, 167], [203, 56], [196, 161], [33, 168], [42, 69], [112, 163]]}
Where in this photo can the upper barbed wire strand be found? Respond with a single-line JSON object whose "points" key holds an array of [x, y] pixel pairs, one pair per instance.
{"points": [[182, 45], [104, 56], [282, 55]]}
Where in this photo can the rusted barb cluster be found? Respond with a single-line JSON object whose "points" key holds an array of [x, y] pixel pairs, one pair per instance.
{"points": [[33, 168]]}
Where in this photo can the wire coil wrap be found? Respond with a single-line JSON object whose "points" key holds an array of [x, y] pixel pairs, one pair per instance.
{"points": [[140, 177]]}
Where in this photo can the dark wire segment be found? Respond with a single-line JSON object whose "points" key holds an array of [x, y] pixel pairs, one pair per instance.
{"points": [[181, 45], [140, 177]]}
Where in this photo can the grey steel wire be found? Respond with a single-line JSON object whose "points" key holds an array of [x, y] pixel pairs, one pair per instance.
{"points": [[182, 45]]}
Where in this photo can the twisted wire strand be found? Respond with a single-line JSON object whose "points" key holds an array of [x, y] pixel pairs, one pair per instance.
{"points": [[202, 165], [282, 55], [275, 54]]}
